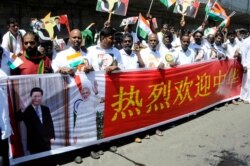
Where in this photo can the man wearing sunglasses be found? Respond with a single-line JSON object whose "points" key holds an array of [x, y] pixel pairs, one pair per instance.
{"points": [[12, 40]]}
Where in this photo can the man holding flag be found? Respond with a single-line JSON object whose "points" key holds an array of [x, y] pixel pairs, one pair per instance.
{"points": [[67, 61]]}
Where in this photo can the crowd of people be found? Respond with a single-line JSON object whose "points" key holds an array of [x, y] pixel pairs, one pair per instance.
{"points": [[112, 50]]}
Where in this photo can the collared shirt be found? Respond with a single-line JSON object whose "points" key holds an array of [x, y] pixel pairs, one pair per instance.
{"points": [[200, 51], [129, 61], [151, 58], [61, 58], [231, 48], [167, 54], [14, 47], [186, 57], [97, 55], [220, 50]]}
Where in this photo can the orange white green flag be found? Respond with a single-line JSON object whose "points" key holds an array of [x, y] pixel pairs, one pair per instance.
{"points": [[215, 12], [14, 62], [167, 3], [75, 59], [143, 28]]}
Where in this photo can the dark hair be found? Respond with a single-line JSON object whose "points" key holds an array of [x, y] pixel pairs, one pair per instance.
{"points": [[36, 89], [198, 32], [12, 21], [107, 31], [32, 34], [231, 33], [127, 35], [169, 35], [184, 34], [219, 33]]}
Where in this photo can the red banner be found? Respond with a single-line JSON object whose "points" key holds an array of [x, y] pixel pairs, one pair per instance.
{"points": [[134, 100]]}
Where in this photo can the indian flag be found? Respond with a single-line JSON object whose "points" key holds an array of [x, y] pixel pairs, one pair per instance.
{"points": [[167, 3], [225, 23], [210, 31], [14, 62], [143, 28], [75, 59], [215, 12], [129, 20]]}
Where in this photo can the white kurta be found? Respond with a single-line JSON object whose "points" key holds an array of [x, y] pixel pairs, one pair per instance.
{"points": [[61, 58], [151, 59], [16, 42], [129, 61], [231, 49], [183, 58], [245, 89]]}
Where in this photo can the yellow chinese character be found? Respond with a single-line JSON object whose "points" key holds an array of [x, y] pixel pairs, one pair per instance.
{"points": [[160, 91], [203, 85], [183, 91], [218, 80], [126, 100], [232, 76]]}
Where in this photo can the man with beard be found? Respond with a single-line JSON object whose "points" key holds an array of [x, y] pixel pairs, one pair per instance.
{"points": [[199, 47], [68, 61], [33, 61], [131, 59]]}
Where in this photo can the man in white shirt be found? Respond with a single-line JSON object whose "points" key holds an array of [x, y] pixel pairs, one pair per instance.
{"points": [[130, 59], [232, 48], [218, 46], [103, 56], [167, 51], [69, 60], [245, 88], [164, 30], [12, 40], [151, 55], [199, 47], [184, 55]]}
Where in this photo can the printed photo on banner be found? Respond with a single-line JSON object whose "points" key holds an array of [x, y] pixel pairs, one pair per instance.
{"points": [[118, 7], [46, 117], [187, 7]]}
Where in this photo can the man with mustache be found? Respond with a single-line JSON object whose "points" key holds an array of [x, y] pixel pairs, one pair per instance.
{"points": [[131, 59], [33, 61]]}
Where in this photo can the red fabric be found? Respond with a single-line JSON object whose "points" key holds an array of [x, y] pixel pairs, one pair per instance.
{"points": [[31, 67], [64, 20], [134, 100]]}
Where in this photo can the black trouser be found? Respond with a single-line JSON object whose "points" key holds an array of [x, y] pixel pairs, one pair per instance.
{"points": [[4, 152]]}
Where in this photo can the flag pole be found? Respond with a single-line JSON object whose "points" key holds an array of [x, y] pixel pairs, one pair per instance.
{"points": [[150, 7], [110, 14]]}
